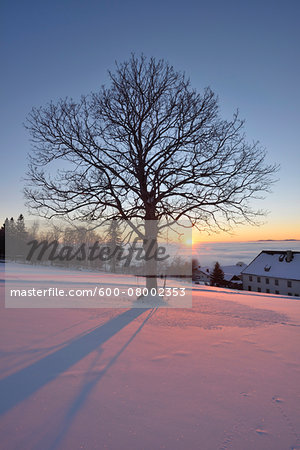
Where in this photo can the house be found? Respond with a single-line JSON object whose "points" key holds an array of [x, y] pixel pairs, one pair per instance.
{"points": [[232, 274], [274, 272], [202, 274]]}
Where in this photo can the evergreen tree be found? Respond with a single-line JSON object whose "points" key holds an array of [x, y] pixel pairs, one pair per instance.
{"points": [[114, 242], [10, 244], [20, 225], [217, 276], [13, 238], [2, 242], [11, 225], [5, 226]]}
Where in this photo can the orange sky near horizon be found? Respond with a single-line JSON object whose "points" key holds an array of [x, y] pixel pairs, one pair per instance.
{"points": [[279, 231]]}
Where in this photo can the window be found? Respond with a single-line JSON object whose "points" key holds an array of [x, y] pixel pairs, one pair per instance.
{"points": [[296, 295], [276, 292], [276, 282], [249, 288], [268, 291], [289, 293], [289, 284], [267, 281], [258, 289], [250, 277], [258, 279]]}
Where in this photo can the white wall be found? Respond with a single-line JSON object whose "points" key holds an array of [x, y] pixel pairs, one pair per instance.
{"points": [[282, 287]]}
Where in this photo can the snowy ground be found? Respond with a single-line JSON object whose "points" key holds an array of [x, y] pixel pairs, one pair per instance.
{"points": [[222, 375], [24, 277]]}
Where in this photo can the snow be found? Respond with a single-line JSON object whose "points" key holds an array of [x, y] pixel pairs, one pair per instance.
{"points": [[229, 271], [222, 374], [233, 270], [87, 285], [278, 269]]}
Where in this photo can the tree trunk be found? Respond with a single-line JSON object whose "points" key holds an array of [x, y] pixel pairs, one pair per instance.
{"points": [[150, 247]]}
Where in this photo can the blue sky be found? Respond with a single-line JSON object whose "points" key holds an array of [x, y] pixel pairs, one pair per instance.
{"points": [[247, 52]]}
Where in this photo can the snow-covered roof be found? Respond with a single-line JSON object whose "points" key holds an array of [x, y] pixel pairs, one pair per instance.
{"points": [[229, 271], [206, 269], [203, 272], [278, 264], [234, 270]]}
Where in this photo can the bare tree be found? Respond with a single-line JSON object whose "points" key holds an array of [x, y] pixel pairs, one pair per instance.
{"points": [[149, 147]]}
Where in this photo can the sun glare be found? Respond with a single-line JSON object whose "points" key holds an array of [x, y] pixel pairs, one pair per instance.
{"points": [[189, 241]]}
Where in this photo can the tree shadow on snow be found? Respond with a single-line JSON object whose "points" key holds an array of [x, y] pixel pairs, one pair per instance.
{"points": [[20, 385], [87, 387]]}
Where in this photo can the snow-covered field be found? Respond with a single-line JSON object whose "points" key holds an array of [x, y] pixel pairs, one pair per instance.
{"points": [[221, 375], [88, 286]]}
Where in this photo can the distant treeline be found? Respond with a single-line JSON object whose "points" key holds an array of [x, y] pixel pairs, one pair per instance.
{"points": [[63, 242], [11, 226]]}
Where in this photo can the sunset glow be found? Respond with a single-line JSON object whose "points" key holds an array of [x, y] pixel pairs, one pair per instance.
{"points": [[278, 231], [133, 135]]}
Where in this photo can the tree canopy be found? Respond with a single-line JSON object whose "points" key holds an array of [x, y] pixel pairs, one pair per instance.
{"points": [[148, 146]]}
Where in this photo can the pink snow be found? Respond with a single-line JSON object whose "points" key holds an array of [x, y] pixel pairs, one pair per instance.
{"points": [[223, 374]]}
